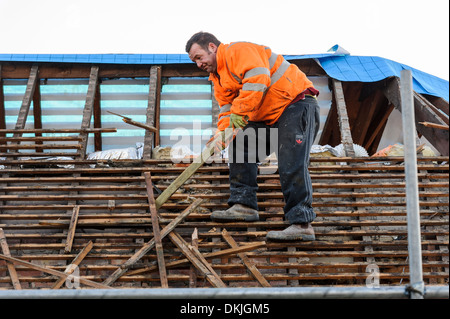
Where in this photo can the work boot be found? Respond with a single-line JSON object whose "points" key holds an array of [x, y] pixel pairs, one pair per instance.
{"points": [[300, 232], [235, 213]]}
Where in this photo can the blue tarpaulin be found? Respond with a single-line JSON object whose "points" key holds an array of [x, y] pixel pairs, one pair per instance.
{"points": [[342, 67]]}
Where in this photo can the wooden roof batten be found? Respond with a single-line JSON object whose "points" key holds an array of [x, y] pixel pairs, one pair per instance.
{"points": [[98, 221]]}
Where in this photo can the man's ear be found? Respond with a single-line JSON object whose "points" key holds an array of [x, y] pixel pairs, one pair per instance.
{"points": [[212, 47]]}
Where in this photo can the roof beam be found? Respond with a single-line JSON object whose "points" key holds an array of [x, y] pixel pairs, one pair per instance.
{"points": [[154, 97], [26, 101], [37, 112], [344, 125], [78, 70], [97, 119], [48, 70], [423, 113], [88, 109], [2, 106]]}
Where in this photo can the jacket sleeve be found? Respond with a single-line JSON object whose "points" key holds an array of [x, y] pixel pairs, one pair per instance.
{"points": [[248, 65], [224, 117], [224, 99]]}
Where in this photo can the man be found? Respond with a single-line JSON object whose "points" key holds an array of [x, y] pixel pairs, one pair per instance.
{"points": [[259, 91]]}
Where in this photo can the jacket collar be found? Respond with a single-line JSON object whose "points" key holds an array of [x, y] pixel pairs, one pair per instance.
{"points": [[220, 60]]}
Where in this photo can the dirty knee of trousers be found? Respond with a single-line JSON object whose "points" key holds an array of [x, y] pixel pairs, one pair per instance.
{"points": [[237, 212]]}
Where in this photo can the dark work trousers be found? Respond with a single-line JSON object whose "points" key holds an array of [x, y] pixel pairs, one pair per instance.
{"points": [[291, 138]]}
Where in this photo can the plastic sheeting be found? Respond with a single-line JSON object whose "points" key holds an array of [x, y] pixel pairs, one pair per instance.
{"points": [[338, 151], [372, 69], [122, 153]]}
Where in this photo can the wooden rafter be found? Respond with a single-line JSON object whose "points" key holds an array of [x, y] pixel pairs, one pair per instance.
{"points": [[13, 70], [2, 105], [11, 269], [377, 129], [149, 245], [88, 109], [75, 263], [344, 125], [156, 231], [27, 98], [37, 112], [97, 118], [152, 114], [50, 271], [423, 113]]}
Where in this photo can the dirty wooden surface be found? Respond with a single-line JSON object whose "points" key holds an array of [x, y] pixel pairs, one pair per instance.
{"points": [[360, 225]]}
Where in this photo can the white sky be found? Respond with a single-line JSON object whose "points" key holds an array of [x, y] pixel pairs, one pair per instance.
{"points": [[412, 32]]}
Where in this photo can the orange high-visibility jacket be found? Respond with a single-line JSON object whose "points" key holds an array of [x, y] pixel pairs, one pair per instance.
{"points": [[254, 81]]}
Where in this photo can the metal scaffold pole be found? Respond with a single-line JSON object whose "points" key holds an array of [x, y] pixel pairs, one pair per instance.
{"points": [[416, 286]]}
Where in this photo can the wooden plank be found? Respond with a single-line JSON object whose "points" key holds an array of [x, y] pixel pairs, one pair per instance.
{"points": [[212, 276], [37, 112], [13, 70], [72, 227], [26, 102], [439, 115], [75, 263], [45, 146], [439, 103], [158, 104], [192, 271], [215, 254], [149, 245], [97, 119], [156, 232], [39, 138], [69, 130], [422, 113], [12, 271], [380, 125], [53, 272], [130, 121], [367, 113], [247, 262], [88, 109], [2, 106], [196, 259], [344, 125], [434, 125], [192, 168], [149, 137]]}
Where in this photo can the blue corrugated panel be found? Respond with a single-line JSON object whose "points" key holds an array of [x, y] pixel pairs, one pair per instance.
{"points": [[99, 58], [372, 69]]}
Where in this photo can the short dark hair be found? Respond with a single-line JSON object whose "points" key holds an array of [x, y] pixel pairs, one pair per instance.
{"points": [[203, 39]]}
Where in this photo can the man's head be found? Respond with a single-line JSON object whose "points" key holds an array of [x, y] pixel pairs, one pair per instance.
{"points": [[202, 49]]}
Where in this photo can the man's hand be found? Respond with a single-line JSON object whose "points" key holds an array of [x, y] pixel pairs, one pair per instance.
{"points": [[219, 143], [238, 121]]}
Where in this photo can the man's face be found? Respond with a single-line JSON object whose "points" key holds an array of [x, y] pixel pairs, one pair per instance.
{"points": [[205, 60]]}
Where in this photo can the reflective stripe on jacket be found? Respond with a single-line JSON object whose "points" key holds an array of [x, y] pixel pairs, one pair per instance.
{"points": [[254, 81]]}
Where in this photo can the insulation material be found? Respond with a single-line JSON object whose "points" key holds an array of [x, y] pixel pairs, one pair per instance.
{"points": [[397, 150]]}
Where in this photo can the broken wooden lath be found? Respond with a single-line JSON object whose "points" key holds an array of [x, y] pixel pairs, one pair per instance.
{"points": [[358, 206]]}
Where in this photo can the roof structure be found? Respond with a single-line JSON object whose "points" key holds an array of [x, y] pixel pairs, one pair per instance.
{"points": [[144, 223], [343, 67]]}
